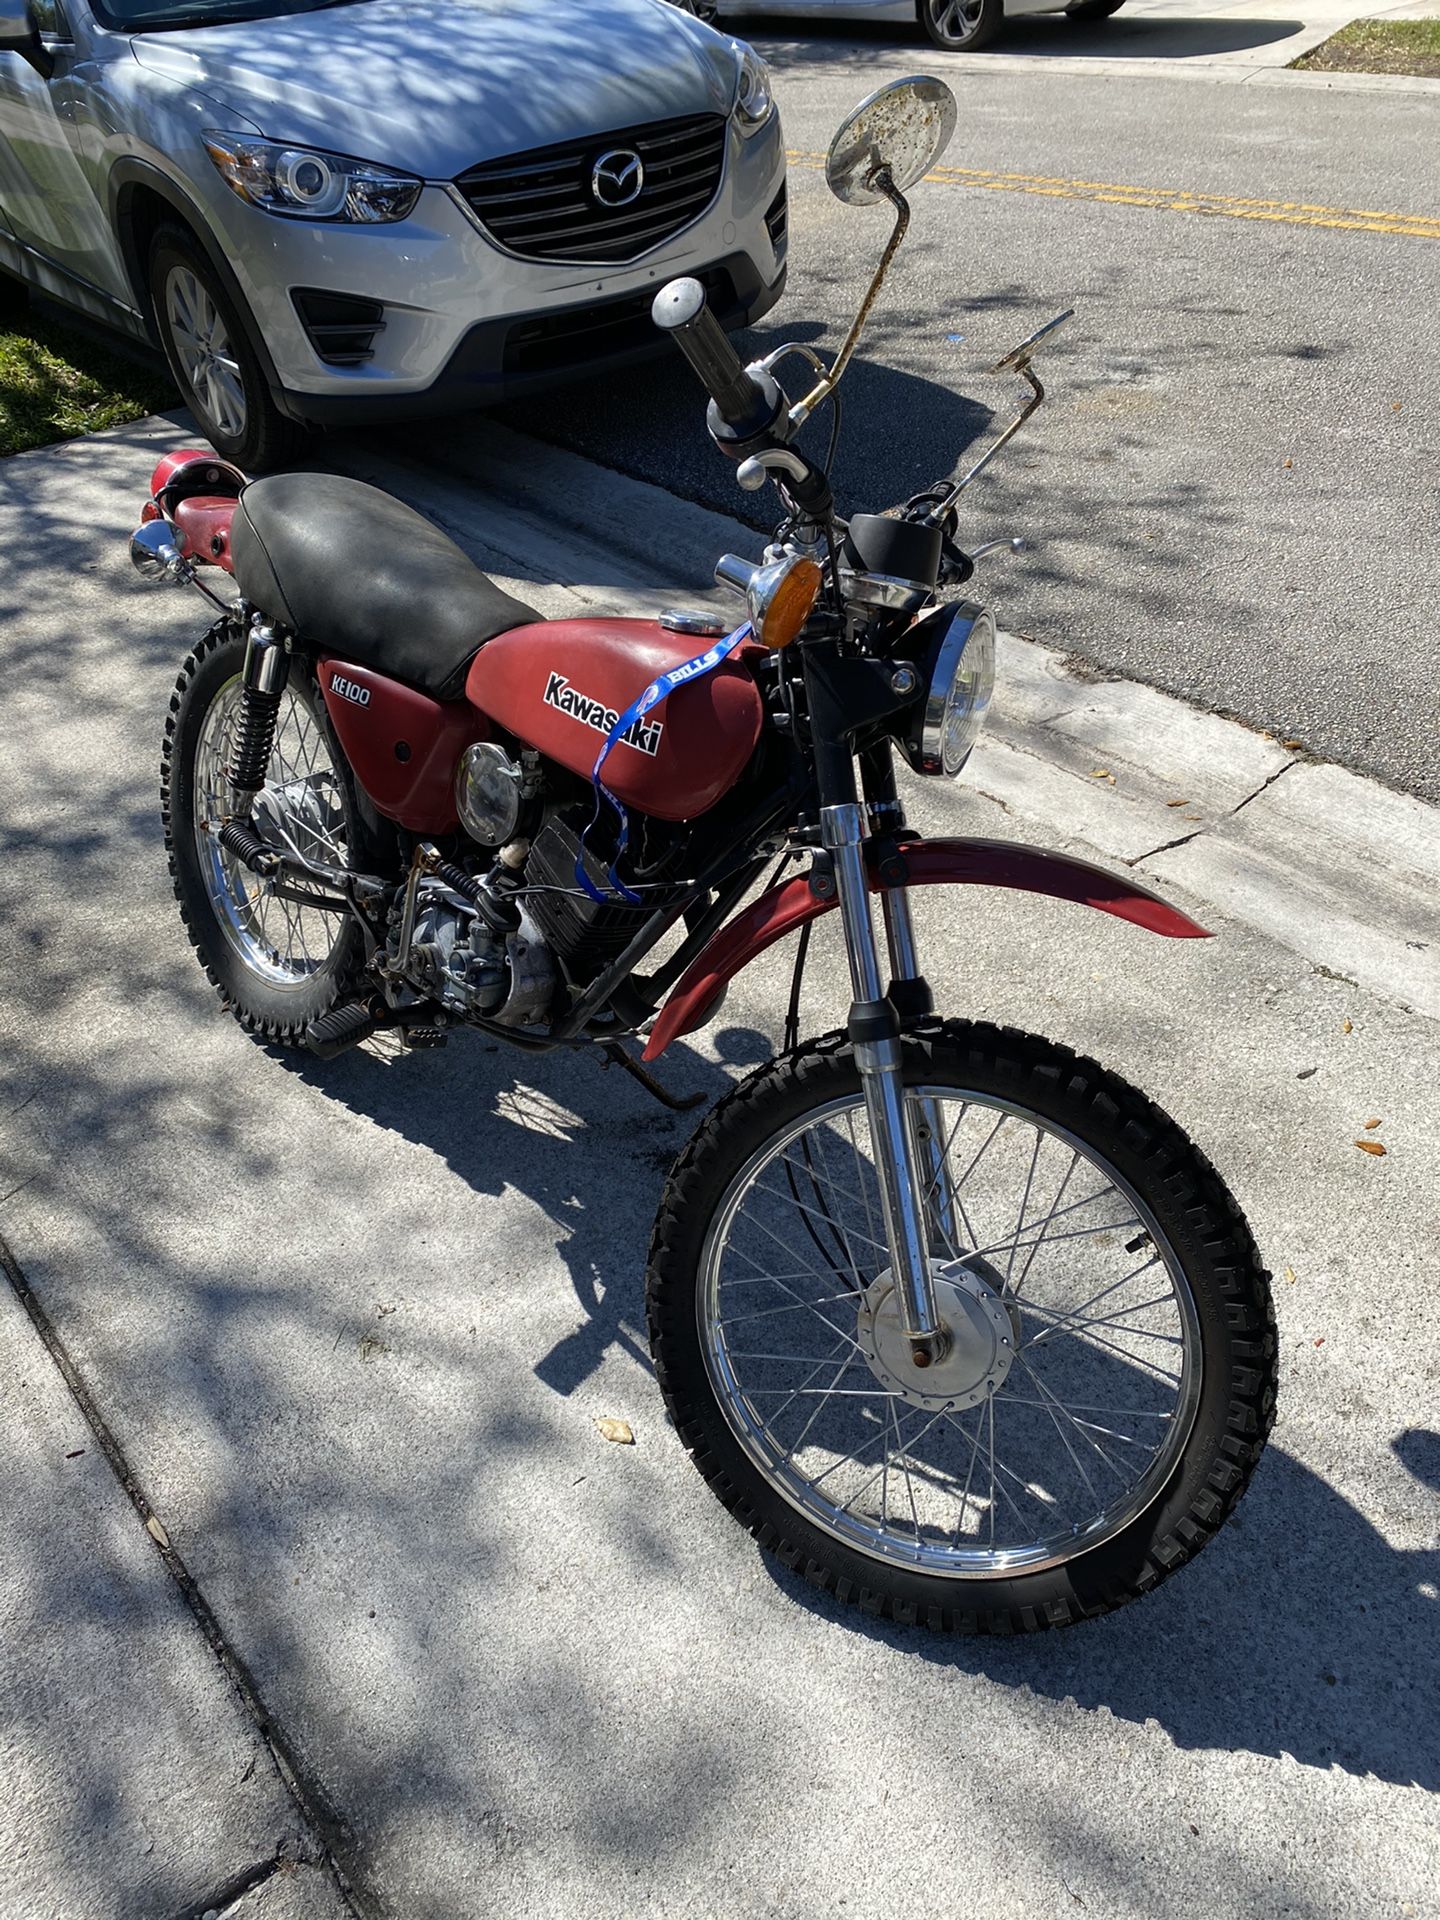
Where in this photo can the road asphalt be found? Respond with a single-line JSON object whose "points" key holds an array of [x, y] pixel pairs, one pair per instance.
{"points": [[1231, 493], [347, 1331]]}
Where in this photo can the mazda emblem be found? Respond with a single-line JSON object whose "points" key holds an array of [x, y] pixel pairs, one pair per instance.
{"points": [[617, 177]]}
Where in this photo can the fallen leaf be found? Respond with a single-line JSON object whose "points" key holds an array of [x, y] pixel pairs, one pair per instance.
{"points": [[1307, 1073], [1289, 1276], [1395, 408], [1347, 1026], [619, 1431], [1318, 1343], [1101, 773], [1193, 1828], [1287, 464], [1369, 1125], [1177, 803], [1377, 1147], [1292, 746], [157, 1533]]}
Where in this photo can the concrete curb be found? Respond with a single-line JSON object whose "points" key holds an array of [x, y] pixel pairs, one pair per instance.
{"points": [[1334, 866]]}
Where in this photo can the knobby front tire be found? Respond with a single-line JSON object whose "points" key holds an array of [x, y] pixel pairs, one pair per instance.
{"points": [[1111, 1385]]}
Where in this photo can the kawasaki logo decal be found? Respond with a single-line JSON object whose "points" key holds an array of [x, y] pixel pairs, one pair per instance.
{"points": [[644, 735]]}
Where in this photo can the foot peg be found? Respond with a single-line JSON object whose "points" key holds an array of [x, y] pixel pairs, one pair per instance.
{"points": [[343, 1027]]}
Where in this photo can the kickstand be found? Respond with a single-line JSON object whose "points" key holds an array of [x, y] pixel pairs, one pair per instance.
{"points": [[614, 1052]]}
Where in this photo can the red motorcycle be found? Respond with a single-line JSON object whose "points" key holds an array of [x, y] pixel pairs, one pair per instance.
{"points": [[957, 1323]]}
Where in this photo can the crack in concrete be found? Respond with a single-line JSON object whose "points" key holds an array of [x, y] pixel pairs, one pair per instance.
{"points": [[236, 1888], [1184, 839], [325, 1830]]}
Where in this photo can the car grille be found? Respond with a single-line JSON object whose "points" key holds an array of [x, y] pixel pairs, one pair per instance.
{"points": [[573, 336], [540, 205]]}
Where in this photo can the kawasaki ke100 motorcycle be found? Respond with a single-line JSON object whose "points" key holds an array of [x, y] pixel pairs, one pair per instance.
{"points": [[958, 1324]]}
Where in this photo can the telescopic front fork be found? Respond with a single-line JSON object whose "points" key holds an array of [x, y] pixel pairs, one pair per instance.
{"points": [[901, 1166], [928, 1121]]}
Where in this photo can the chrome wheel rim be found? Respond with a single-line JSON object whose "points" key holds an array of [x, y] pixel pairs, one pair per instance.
{"points": [[1040, 1452], [955, 21], [301, 810], [202, 346]]}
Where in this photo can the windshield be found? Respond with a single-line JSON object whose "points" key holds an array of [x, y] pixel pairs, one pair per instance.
{"points": [[158, 16]]}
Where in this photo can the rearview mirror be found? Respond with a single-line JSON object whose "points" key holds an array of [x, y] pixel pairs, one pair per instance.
{"points": [[901, 130]]}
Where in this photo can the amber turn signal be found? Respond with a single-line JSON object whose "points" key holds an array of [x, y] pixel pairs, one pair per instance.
{"points": [[780, 598]]}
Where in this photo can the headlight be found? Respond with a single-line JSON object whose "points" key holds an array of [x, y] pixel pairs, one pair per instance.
{"points": [[754, 101], [309, 185], [947, 726]]}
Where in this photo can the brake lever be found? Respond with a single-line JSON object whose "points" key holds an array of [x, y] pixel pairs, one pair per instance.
{"points": [[752, 472]]}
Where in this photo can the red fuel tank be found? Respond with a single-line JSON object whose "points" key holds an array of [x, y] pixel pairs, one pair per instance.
{"points": [[560, 684], [403, 745]]}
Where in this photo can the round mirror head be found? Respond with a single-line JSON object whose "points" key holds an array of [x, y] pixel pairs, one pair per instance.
{"points": [[903, 129]]}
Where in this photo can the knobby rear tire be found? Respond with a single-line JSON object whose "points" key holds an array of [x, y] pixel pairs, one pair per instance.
{"points": [[1195, 1213], [277, 1014]]}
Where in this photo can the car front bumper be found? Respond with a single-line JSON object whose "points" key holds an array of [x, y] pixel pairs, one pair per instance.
{"points": [[459, 321]]}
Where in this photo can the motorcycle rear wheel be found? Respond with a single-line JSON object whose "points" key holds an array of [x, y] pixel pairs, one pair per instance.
{"points": [[277, 966], [1112, 1378]]}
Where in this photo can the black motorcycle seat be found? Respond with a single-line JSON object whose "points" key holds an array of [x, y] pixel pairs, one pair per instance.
{"points": [[356, 572]]}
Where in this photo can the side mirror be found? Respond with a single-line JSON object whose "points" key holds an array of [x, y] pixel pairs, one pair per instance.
{"points": [[19, 34], [898, 132]]}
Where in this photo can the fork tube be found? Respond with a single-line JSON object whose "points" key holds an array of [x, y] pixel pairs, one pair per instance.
{"points": [[926, 1118], [910, 993], [875, 1036]]}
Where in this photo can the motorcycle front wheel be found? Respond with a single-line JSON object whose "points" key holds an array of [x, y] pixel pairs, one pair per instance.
{"points": [[1110, 1374]]}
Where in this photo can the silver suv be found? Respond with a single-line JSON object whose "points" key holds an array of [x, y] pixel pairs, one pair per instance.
{"points": [[339, 211]]}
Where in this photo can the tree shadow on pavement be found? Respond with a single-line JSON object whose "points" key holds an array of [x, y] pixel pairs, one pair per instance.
{"points": [[1304, 1632]]}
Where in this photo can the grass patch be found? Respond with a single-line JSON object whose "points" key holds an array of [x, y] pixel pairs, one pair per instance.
{"points": [[1379, 46], [57, 382]]}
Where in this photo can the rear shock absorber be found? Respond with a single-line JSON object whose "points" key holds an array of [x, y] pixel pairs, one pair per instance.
{"points": [[267, 668]]}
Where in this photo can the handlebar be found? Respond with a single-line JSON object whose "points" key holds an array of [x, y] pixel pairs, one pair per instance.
{"points": [[747, 404]]}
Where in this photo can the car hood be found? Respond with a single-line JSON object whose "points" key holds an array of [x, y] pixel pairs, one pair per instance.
{"points": [[437, 88]]}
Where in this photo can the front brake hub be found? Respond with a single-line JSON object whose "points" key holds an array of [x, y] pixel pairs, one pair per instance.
{"points": [[979, 1345]]}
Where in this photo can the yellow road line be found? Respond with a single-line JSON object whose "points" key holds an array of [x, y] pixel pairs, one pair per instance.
{"points": [[1223, 206]]}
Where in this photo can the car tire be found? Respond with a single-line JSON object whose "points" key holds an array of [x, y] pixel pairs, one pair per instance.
{"points": [[214, 365], [14, 296], [961, 26]]}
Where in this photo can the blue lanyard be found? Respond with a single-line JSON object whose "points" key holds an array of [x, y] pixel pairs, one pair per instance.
{"points": [[657, 691]]}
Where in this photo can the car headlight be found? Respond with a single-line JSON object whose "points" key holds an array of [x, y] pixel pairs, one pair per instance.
{"points": [[962, 679], [754, 100], [306, 184]]}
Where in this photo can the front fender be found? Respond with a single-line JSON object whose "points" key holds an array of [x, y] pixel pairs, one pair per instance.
{"points": [[929, 863]]}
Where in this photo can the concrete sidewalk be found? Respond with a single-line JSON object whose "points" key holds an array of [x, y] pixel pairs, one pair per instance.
{"points": [[352, 1325]]}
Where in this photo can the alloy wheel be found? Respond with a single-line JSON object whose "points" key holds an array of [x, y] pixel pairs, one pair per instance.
{"points": [[954, 23], [203, 349]]}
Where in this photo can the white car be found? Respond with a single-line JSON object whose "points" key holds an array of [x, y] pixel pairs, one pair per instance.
{"points": [[959, 26]]}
